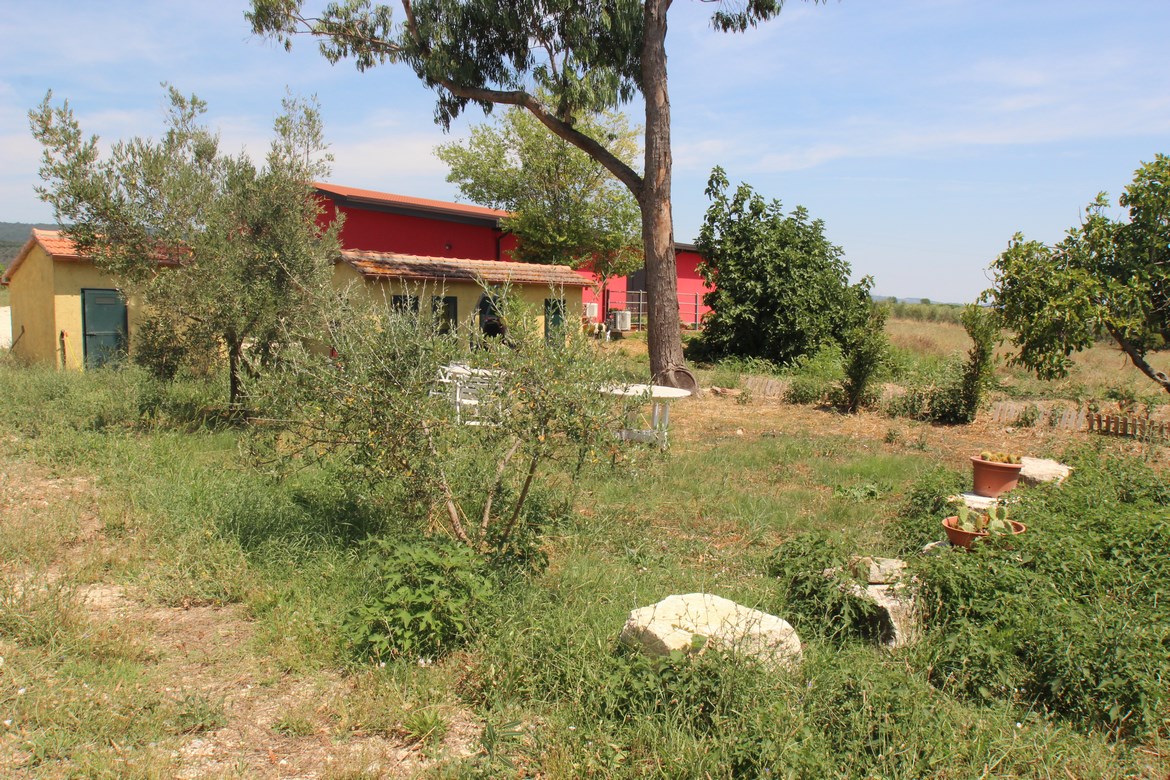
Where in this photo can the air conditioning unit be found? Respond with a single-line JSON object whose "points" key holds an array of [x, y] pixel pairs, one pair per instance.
{"points": [[619, 320], [591, 311]]}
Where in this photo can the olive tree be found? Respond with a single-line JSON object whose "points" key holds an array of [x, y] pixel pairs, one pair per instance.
{"points": [[218, 250], [1105, 277], [559, 60], [370, 394]]}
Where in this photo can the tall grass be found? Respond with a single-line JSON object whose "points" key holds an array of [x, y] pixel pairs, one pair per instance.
{"points": [[199, 524]]}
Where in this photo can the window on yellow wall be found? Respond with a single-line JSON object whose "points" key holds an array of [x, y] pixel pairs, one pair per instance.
{"points": [[445, 309], [404, 303]]}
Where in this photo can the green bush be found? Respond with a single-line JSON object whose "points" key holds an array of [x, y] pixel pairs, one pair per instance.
{"points": [[783, 289], [1071, 615], [427, 599], [926, 505], [811, 378], [815, 604], [866, 349]]}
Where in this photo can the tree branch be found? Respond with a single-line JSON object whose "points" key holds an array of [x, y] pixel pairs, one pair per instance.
{"points": [[487, 506], [449, 498], [1139, 359], [518, 97], [532, 466]]}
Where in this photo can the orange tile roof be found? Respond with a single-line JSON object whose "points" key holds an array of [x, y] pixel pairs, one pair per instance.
{"points": [[376, 198], [387, 265], [54, 243]]}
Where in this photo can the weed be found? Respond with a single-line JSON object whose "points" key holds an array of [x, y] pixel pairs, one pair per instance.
{"points": [[293, 726], [425, 725], [814, 603], [868, 491], [196, 713], [1028, 416], [427, 599]]}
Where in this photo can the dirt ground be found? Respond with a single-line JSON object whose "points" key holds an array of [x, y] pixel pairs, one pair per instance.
{"points": [[200, 651]]}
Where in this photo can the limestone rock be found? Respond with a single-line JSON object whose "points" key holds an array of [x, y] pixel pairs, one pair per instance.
{"points": [[878, 571], [887, 588], [934, 548], [974, 502], [676, 621], [1039, 470]]}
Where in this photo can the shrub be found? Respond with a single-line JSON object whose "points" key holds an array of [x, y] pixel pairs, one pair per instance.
{"points": [[377, 403], [426, 600], [866, 349], [813, 377], [783, 289], [926, 506], [1070, 615], [954, 392], [815, 604]]}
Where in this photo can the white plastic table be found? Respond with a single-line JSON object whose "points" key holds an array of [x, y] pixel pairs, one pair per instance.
{"points": [[659, 397]]}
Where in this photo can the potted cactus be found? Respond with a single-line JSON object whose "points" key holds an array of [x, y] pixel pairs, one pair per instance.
{"points": [[995, 473], [968, 526]]}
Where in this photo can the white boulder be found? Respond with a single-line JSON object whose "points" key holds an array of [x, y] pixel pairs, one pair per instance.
{"points": [[689, 622], [1035, 471]]}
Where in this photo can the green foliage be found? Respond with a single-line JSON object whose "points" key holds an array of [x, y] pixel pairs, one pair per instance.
{"points": [[1065, 615], [379, 406], [926, 311], [425, 725], [217, 251], [954, 392], [781, 289], [867, 352], [426, 600], [1105, 277], [814, 377], [815, 604], [919, 521], [566, 207]]}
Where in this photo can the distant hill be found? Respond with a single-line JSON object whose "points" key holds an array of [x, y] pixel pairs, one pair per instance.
{"points": [[12, 238]]}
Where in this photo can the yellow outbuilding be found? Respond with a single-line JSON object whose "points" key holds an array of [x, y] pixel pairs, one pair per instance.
{"points": [[65, 311], [68, 313]]}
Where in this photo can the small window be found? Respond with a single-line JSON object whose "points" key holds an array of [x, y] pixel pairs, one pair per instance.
{"points": [[446, 312], [491, 319], [404, 303]]}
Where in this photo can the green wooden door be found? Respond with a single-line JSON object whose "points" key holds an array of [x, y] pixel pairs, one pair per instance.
{"points": [[554, 319], [103, 318]]}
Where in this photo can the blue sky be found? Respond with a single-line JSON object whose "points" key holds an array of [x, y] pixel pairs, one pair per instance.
{"points": [[923, 132]]}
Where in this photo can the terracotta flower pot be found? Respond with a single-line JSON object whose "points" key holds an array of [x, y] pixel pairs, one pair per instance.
{"points": [[960, 538], [993, 479]]}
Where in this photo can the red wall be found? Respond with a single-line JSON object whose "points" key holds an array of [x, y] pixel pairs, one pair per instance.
{"points": [[380, 231]]}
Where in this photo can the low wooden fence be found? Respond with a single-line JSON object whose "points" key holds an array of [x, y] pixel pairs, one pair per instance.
{"points": [[1120, 425]]}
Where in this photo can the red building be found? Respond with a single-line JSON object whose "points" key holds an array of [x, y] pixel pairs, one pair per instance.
{"points": [[384, 222]]}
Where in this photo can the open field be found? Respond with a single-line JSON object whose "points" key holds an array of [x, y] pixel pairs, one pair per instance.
{"points": [[168, 611]]}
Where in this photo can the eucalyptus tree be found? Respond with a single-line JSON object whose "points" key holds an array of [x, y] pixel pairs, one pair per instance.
{"points": [[218, 252], [558, 59]]}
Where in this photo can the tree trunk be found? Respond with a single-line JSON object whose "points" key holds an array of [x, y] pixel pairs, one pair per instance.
{"points": [[235, 352], [664, 338]]}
